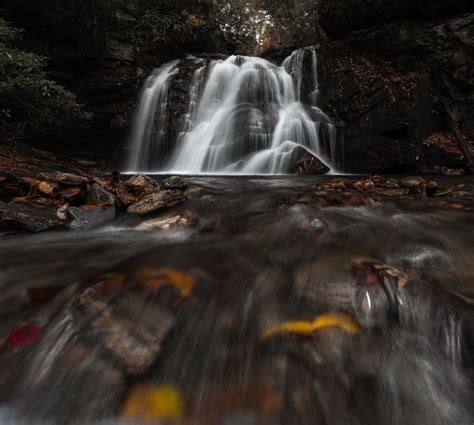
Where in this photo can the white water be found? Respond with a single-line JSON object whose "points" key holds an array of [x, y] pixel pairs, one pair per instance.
{"points": [[148, 131], [244, 116]]}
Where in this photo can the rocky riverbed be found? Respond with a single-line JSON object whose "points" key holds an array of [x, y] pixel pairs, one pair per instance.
{"points": [[231, 300]]}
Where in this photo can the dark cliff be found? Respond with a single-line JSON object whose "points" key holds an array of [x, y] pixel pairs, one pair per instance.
{"points": [[400, 74]]}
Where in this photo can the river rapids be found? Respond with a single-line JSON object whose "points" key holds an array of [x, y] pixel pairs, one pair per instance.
{"points": [[252, 306]]}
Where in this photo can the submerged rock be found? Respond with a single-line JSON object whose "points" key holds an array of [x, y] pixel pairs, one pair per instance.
{"points": [[90, 216], [156, 201], [179, 221]]}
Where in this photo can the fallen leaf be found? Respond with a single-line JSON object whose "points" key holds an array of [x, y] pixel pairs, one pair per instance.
{"points": [[46, 188], [154, 278], [153, 402], [339, 320], [21, 335]]}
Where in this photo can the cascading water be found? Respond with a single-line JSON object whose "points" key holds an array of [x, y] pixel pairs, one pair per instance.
{"points": [[148, 132], [244, 116]]}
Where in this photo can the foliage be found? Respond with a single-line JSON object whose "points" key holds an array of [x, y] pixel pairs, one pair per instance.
{"points": [[243, 23], [31, 103], [295, 21]]}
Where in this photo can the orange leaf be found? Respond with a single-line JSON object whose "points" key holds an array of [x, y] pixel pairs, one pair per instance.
{"points": [[46, 188]]}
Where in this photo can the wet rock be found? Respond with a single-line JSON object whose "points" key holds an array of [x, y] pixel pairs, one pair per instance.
{"points": [[124, 196], [67, 179], [325, 283], [73, 195], [28, 217], [142, 183], [90, 216], [118, 326], [99, 195], [156, 201], [413, 181], [304, 162], [9, 185], [174, 183], [179, 221]]}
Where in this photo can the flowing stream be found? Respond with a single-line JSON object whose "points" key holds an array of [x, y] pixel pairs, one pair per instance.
{"points": [[261, 308], [245, 116]]}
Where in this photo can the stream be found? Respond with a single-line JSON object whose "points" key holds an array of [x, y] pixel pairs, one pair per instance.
{"points": [[252, 305]]}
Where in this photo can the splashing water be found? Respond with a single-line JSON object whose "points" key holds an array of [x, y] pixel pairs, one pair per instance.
{"points": [[244, 116]]}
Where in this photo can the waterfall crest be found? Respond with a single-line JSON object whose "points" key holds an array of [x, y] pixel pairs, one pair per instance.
{"points": [[245, 115]]}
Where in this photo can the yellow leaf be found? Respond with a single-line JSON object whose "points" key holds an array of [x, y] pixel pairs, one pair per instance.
{"points": [[153, 402], [340, 320], [158, 277]]}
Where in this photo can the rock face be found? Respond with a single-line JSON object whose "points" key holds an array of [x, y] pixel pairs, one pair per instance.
{"points": [[399, 77], [405, 75]]}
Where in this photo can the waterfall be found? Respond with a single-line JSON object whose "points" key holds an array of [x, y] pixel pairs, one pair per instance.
{"points": [[149, 128], [294, 65], [245, 115]]}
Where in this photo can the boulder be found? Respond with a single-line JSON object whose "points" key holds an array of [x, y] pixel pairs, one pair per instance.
{"points": [[142, 183], [174, 182], [304, 162], [156, 201], [99, 196], [124, 196]]}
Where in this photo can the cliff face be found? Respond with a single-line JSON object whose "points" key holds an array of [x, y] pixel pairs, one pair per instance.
{"points": [[400, 75]]}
